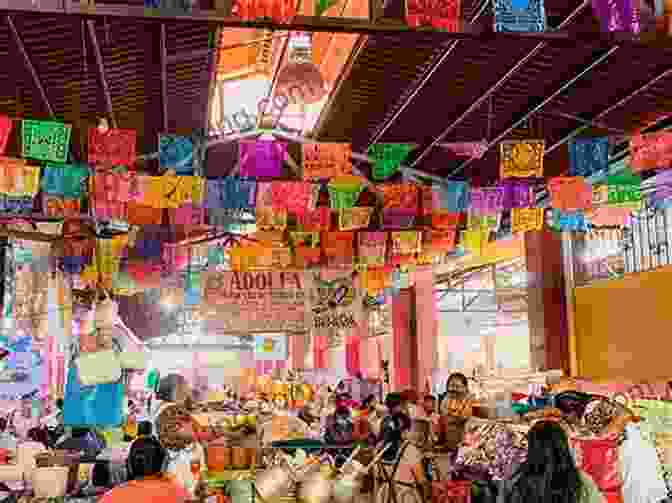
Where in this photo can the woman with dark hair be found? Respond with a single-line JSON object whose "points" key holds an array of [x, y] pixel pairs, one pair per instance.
{"points": [[455, 409], [393, 426], [549, 473], [146, 480]]}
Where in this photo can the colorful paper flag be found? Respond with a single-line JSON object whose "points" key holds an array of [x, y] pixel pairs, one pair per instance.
{"points": [[388, 157], [114, 147], [443, 15], [570, 193], [371, 249], [326, 160], [6, 125], [486, 201], [45, 140], [176, 153], [617, 15], [588, 156], [261, 158], [527, 219], [651, 151], [527, 16], [521, 159], [350, 219]]}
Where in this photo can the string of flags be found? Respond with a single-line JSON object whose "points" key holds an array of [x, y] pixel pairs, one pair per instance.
{"points": [[323, 217]]}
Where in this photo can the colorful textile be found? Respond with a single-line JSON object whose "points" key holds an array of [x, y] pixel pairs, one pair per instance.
{"points": [[176, 153], [452, 196], [617, 15], [326, 160], [437, 14], [387, 157], [114, 147], [521, 159], [371, 249], [6, 125], [67, 181], [350, 219], [45, 140], [651, 151], [230, 193], [588, 156], [486, 201], [528, 16], [295, 197], [527, 219], [570, 193], [517, 194], [261, 158]]}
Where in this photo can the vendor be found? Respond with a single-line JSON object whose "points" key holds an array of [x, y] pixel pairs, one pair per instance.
{"points": [[147, 480], [456, 407]]}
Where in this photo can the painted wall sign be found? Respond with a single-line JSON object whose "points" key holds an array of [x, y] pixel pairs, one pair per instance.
{"points": [[255, 301]]}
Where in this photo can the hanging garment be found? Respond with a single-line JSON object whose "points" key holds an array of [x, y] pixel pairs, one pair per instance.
{"points": [[177, 153], [452, 196], [642, 482], [66, 181], [261, 158], [230, 193], [295, 197]]}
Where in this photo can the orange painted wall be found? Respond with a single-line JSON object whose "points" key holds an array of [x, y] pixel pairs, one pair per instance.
{"points": [[623, 327]]}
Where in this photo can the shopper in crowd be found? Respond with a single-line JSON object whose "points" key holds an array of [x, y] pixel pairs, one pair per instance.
{"points": [[7, 439], [410, 401], [457, 401], [393, 426], [549, 473], [310, 419], [147, 482]]}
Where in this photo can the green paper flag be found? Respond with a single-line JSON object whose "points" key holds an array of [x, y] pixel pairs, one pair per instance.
{"points": [[45, 140], [321, 6], [388, 157]]}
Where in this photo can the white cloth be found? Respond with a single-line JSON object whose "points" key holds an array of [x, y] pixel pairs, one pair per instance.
{"points": [[642, 482], [179, 464]]}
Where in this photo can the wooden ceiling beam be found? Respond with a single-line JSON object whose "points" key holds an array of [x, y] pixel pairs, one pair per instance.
{"points": [[100, 66]]}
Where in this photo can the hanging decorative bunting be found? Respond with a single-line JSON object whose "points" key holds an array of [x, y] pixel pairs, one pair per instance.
{"points": [[568, 221], [251, 258], [527, 219], [486, 201], [307, 251], [269, 219], [261, 158], [338, 248], [469, 150], [371, 249], [295, 197], [444, 220], [474, 240], [397, 218], [434, 241], [280, 11], [624, 188], [115, 147], [521, 159], [6, 125], [326, 160], [230, 193], [662, 190], [45, 140], [588, 156], [350, 219], [651, 151], [59, 207], [404, 196], [176, 153], [617, 15], [570, 193], [388, 157], [527, 16], [517, 194], [489, 222], [443, 15], [406, 242], [452, 196], [318, 219], [66, 181], [19, 179], [610, 217], [344, 192]]}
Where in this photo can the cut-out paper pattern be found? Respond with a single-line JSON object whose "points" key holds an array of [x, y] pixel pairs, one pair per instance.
{"points": [[388, 157], [527, 16], [318, 219], [45, 140], [397, 218], [114, 147], [326, 160], [527, 219], [452, 196], [344, 196], [443, 220], [434, 241], [280, 11], [350, 219], [56, 206], [486, 201], [473, 240], [404, 196], [230, 193], [441, 14], [6, 125], [338, 247], [261, 158], [588, 156], [521, 159], [371, 249], [570, 193], [568, 221], [295, 197], [600, 194], [517, 194], [624, 188], [617, 15], [610, 217], [271, 219], [651, 151], [176, 153], [406, 242], [67, 180]]}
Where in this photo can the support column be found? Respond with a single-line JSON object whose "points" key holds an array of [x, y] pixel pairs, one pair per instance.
{"points": [[403, 339], [547, 304], [426, 326]]}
